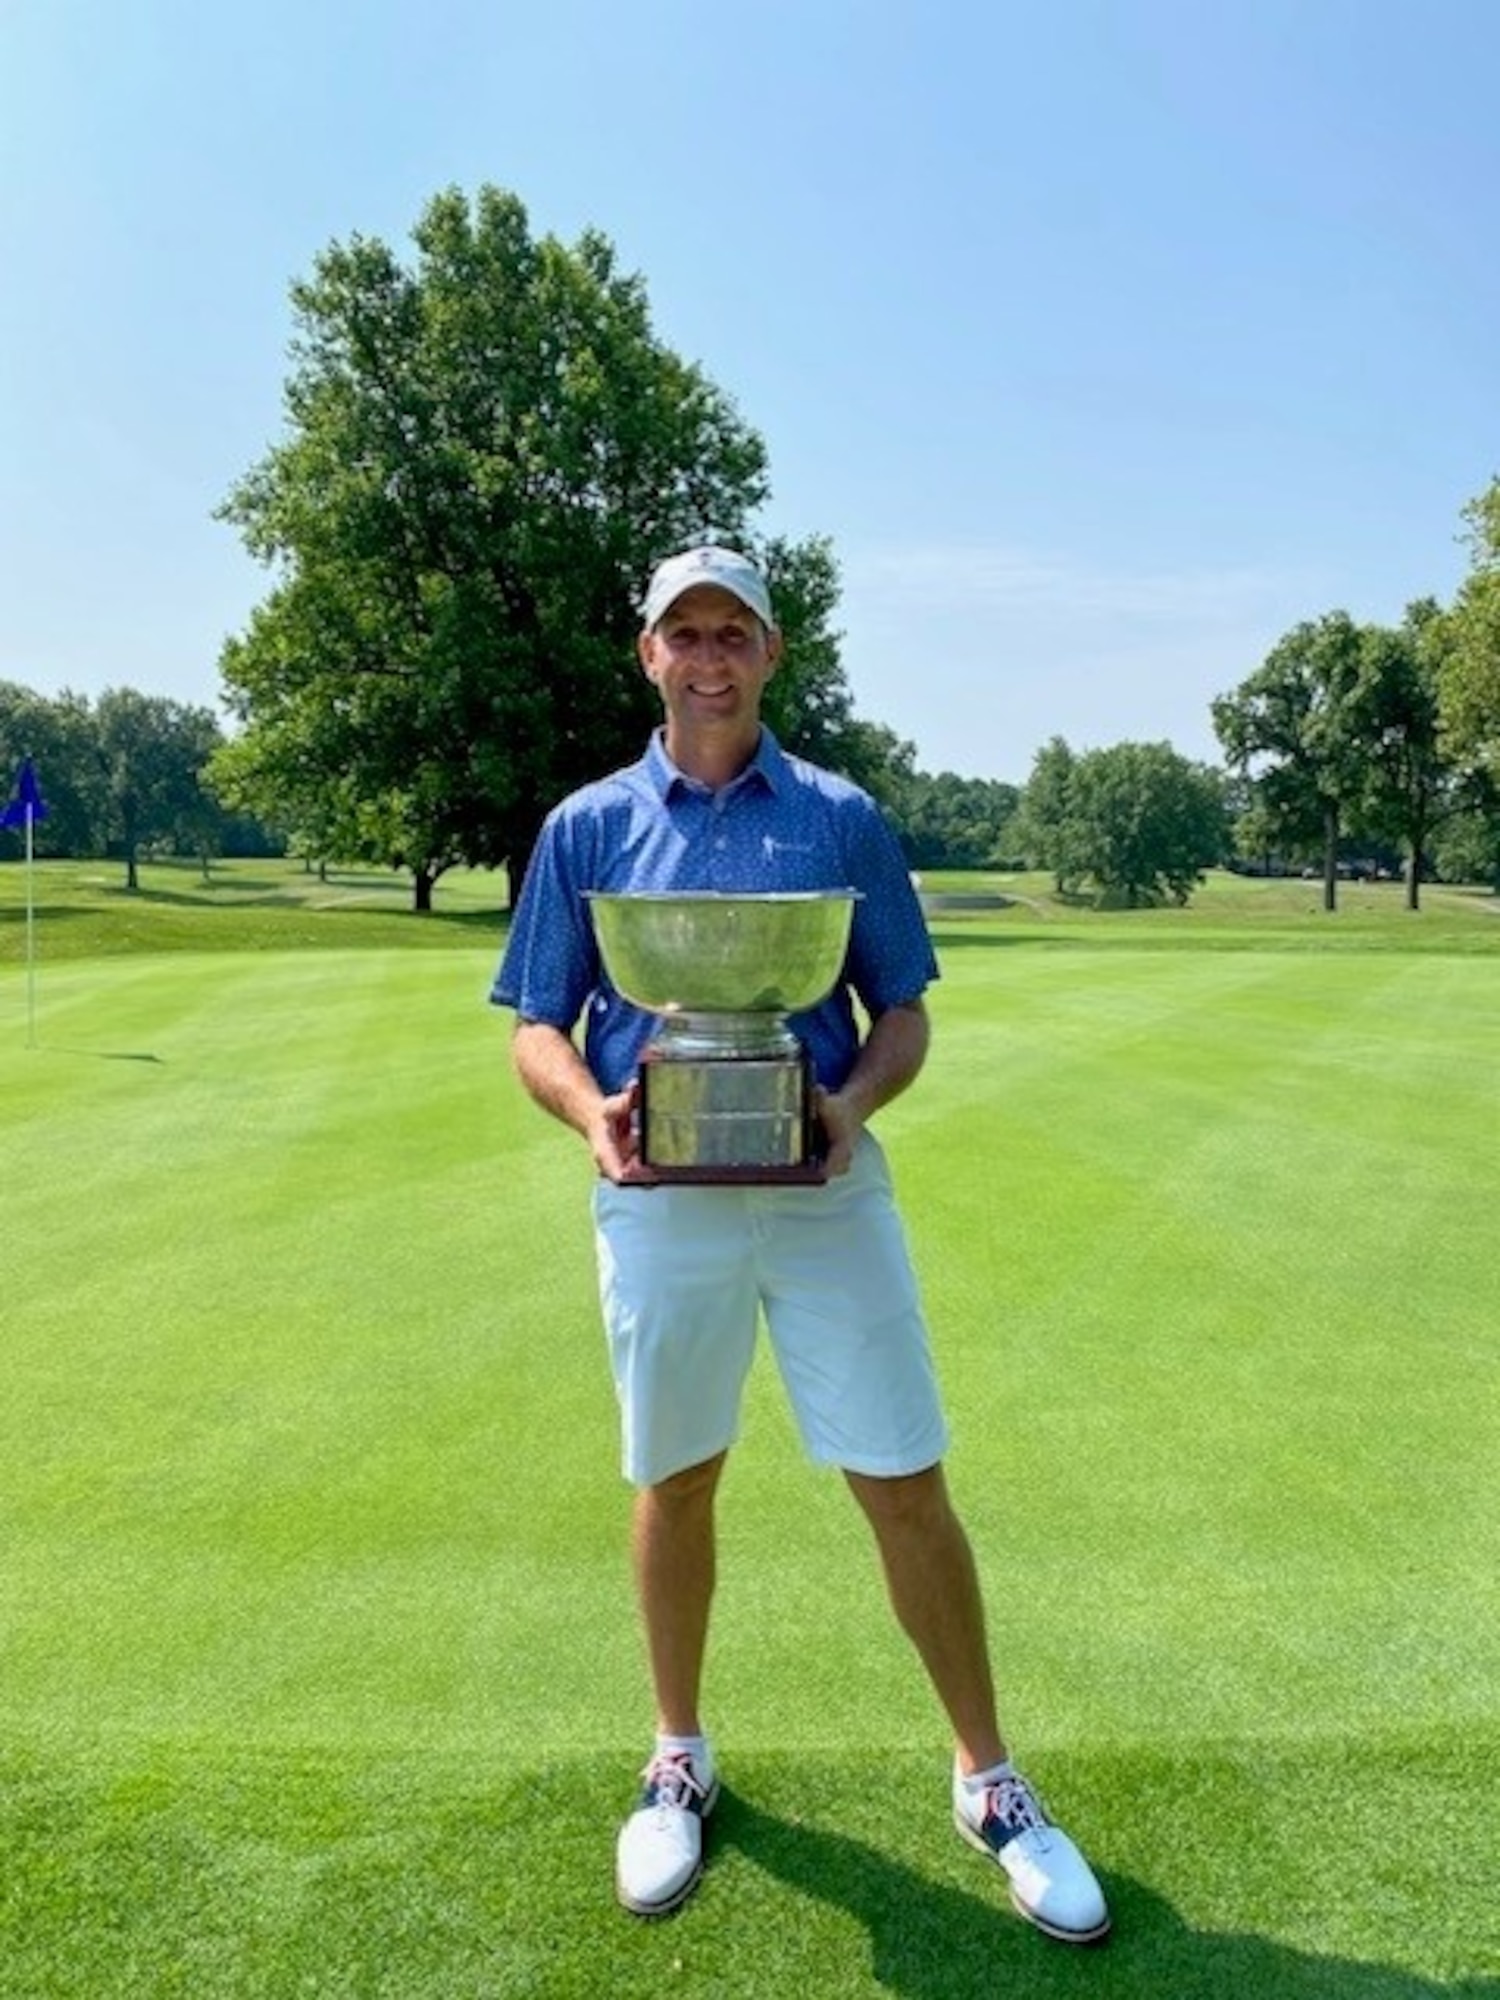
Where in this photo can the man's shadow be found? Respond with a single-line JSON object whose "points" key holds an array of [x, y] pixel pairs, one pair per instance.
{"points": [[929, 1941]]}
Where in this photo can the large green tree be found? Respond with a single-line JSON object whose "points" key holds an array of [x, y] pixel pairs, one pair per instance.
{"points": [[1470, 675], [152, 756], [486, 451], [1147, 822], [1291, 726], [1045, 829], [1138, 820], [1413, 785]]}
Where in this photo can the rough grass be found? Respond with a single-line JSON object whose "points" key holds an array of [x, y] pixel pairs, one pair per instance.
{"points": [[318, 1673]]}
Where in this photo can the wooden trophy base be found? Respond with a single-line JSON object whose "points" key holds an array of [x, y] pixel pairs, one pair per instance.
{"points": [[728, 1121]]}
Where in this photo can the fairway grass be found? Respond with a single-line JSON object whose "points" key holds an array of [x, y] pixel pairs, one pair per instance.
{"points": [[318, 1668]]}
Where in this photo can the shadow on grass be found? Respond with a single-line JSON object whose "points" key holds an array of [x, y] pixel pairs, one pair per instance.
{"points": [[981, 938], [236, 1875], [489, 921], [107, 1055], [46, 913], [930, 1941], [330, 900]]}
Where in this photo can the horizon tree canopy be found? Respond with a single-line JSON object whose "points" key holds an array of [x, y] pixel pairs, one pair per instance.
{"points": [[487, 449]]}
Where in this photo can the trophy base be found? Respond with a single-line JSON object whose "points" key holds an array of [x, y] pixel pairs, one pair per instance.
{"points": [[811, 1173], [727, 1121]]}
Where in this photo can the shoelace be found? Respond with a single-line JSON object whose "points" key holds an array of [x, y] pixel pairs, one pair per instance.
{"points": [[671, 1782], [1014, 1806]]}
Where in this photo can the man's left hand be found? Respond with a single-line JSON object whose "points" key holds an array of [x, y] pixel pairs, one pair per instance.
{"points": [[842, 1126]]}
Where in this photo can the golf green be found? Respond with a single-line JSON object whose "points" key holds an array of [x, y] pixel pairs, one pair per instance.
{"points": [[318, 1668]]}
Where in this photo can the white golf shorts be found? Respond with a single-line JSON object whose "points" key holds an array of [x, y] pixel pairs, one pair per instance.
{"points": [[685, 1276]]}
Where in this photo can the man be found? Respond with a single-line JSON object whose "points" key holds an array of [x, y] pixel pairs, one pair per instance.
{"points": [[715, 804]]}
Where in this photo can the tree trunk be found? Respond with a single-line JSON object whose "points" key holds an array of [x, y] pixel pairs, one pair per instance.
{"points": [[1330, 855], [1414, 865], [128, 825], [422, 880]]}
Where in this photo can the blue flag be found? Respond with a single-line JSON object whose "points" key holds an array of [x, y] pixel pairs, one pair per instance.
{"points": [[28, 803]]}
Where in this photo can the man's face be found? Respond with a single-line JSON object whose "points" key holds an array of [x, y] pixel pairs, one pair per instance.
{"points": [[709, 657]]}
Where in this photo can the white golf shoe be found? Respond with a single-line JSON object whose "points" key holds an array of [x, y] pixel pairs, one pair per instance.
{"points": [[1051, 1884], [659, 1856]]}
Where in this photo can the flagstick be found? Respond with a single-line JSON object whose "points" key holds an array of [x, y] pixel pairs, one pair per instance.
{"points": [[30, 940]]}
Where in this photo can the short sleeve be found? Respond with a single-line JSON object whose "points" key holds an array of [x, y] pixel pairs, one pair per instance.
{"points": [[551, 963], [891, 960]]}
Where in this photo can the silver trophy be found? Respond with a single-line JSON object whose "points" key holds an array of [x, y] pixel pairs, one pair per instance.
{"points": [[725, 1086]]}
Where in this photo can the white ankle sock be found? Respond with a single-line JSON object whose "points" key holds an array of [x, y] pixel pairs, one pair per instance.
{"points": [[975, 1782], [695, 1746]]}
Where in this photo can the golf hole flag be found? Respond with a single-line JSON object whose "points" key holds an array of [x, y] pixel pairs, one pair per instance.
{"points": [[28, 805], [24, 810]]}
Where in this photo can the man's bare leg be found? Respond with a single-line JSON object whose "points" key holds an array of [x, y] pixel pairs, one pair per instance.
{"points": [[659, 1854], [934, 1588], [673, 1549]]}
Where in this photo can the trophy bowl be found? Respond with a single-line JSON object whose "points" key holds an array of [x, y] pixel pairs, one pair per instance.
{"points": [[707, 953], [725, 1086]]}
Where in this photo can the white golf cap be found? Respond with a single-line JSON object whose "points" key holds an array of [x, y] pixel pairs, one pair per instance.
{"points": [[710, 564]]}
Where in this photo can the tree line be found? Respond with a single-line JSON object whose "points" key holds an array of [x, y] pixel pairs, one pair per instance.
{"points": [[1366, 735], [487, 446], [124, 776]]}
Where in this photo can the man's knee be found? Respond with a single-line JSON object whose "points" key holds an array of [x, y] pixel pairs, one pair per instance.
{"points": [[682, 1491], [906, 1502]]}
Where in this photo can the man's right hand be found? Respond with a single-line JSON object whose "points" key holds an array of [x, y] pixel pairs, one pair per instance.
{"points": [[612, 1133], [554, 1073]]}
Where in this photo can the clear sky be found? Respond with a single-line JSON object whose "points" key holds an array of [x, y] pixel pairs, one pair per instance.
{"points": [[1105, 340]]}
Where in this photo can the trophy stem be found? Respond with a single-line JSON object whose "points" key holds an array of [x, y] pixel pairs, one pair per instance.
{"points": [[685, 1034]]}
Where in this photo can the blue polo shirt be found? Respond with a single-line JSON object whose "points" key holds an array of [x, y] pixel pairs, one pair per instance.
{"points": [[782, 825]]}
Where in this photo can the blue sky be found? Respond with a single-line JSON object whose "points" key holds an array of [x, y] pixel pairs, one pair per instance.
{"points": [[1106, 341]]}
